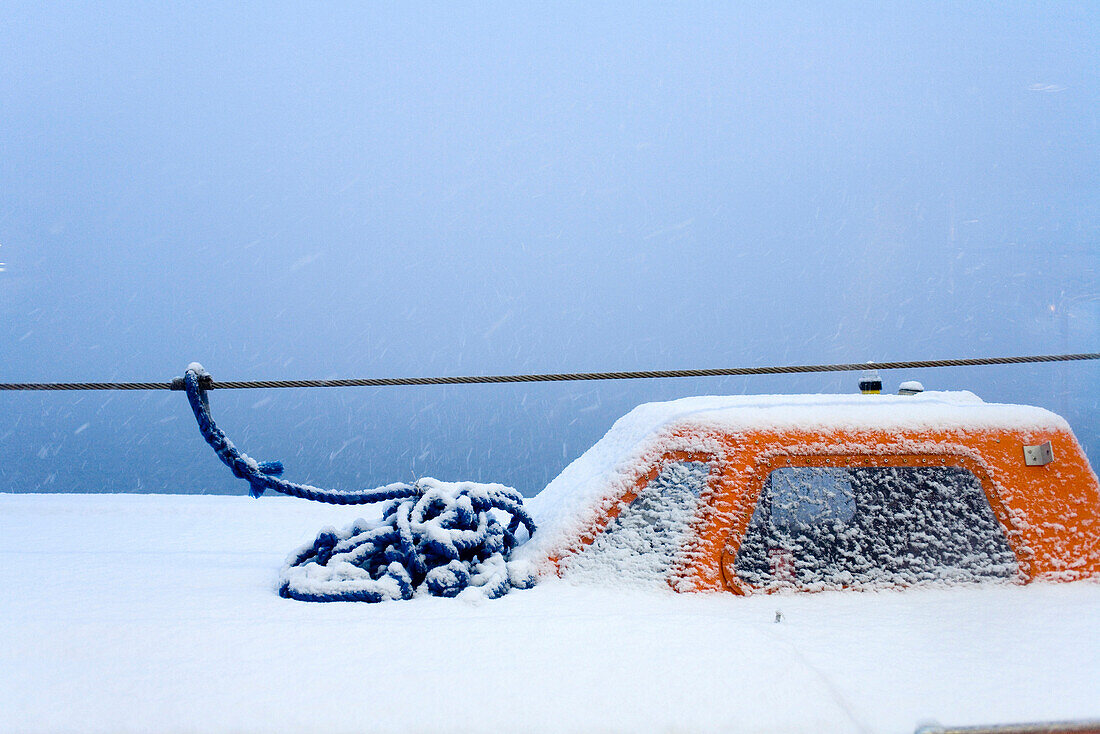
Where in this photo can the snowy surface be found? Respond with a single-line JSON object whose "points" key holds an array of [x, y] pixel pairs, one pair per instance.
{"points": [[159, 613]]}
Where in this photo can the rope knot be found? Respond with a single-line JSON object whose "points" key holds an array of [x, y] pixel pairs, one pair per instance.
{"points": [[433, 540], [438, 536]]}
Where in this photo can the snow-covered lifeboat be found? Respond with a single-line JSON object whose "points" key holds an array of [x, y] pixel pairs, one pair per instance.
{"points": [[760, 493]]}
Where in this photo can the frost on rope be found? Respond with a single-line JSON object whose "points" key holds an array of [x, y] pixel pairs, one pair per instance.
{"points": [[450, 537], [437, 536]]}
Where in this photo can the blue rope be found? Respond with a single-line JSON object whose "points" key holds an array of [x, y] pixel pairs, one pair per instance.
{"points": [[443, 537]]}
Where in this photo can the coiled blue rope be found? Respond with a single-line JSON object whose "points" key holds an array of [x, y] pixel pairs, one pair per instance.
{"points": [[438, 536]]}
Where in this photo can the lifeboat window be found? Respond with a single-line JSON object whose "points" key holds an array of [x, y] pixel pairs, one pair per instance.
{"points": [[644, 541], [828, 526], [801, 499]]}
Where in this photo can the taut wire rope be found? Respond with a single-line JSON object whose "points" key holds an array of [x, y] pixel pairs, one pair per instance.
{"points": [[210, 384]]}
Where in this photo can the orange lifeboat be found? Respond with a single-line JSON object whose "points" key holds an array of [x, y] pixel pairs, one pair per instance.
{"points": [[762, 493]]}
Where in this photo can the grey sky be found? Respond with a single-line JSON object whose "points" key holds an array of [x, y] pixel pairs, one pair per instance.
{"points": [[390, 190]]}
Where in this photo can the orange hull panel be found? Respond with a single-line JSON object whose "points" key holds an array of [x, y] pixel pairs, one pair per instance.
{"points": [[1050, 514]]}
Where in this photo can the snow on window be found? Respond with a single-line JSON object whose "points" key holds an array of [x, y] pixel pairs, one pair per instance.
{"points": [[821, 527], [641, 545], [801, 498]]}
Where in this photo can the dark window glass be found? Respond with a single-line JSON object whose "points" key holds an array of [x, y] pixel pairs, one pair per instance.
{"points": [[817, 526]]}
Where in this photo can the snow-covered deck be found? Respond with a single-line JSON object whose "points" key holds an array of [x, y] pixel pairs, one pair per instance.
{"points": [[158, 613]]}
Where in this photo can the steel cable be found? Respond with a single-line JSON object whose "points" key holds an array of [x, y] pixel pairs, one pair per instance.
{"points": [[177, 384]]}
